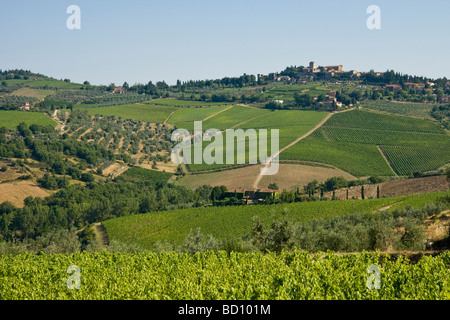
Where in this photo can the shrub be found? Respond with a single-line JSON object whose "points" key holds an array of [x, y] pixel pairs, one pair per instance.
{"points": [[198, 242]]}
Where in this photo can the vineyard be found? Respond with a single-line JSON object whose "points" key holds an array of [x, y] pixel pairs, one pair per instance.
{"points": [[293, 275], [349, 141], [357, 159], [411, 159], [185, 103], [291, 124], [11, 119], [225, 222], [188, 115], [421, 110], [232, 116]]}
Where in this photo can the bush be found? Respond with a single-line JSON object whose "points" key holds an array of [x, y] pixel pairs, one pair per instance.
{"points": [[197, 242]]}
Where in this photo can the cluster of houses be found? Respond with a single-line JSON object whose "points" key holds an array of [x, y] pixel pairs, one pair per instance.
{"points": [[308, 73], [331, 100], [411, 85]]}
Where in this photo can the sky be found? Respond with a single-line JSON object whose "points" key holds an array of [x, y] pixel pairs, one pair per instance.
{"points": [[146, 40]]}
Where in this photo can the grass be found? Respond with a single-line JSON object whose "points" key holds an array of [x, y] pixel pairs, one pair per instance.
{"points": [[288, 177], [136, 111], [35, 93], [11, 119]]}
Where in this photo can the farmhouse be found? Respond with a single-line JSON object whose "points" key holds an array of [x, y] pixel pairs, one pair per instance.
{"points": [[119, 90], [444, 99], [27, 106], [252, 194], [393, 87], [411, 85], [283, 78], [267, 193]]}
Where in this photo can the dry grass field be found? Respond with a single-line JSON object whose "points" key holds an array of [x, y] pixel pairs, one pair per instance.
{"points": [[289, 176], [16, 192]]}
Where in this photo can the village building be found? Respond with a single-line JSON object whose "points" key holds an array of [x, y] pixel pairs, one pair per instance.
{"points": [[27, 106], [119, 90], [412, 85], [393, 87], [444, 99]]}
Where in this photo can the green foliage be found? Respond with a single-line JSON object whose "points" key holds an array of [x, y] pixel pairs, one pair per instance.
{"points": [[137, 111], [52, 182], [145, 176], [273, 186], [11, 119], [198, 242], [234, 221], [210, 275]]}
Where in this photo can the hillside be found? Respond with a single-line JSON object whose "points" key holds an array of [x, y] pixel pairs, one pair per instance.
{"points": [[99, 143], [226, 223]]}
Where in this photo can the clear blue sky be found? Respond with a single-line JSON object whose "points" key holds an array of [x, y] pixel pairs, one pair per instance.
{"points": [[143, 40]]}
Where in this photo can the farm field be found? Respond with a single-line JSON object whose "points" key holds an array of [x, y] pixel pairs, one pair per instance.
{"points": [[357, 159], [137, 111], [293, 275], [16, 192], [35, 93], [291, 125], [188, 115], [421, 110], [395, 188], [409, 159], [370, 120], [232, 117], [349, 141], [289, 176], [232, 178], [50, 83], [287, 92], [223, 223], [185, 103], [11, 119]]}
